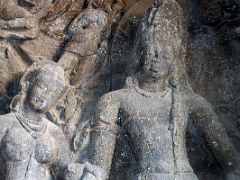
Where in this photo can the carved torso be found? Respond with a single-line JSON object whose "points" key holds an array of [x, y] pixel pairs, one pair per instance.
{"points": [[25, 157], [159, 147]]}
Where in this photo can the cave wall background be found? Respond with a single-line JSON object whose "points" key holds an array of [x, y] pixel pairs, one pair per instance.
{"points": [[213, 62], [213, 66]]}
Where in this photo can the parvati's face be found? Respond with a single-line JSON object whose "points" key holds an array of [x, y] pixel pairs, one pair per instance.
{"points": [[44, 93], [158, 60]]}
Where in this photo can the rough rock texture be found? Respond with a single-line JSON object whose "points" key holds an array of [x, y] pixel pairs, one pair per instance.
{"points": [[32, 147], [213, 67], [95, 41]]}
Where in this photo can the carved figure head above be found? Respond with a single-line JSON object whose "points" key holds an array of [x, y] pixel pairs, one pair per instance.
{"points": [[160, 40], [41, 86], [87, 31]]}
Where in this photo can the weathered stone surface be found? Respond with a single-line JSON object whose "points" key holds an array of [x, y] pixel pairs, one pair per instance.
{"points": [[31, 145], [95, 42]]}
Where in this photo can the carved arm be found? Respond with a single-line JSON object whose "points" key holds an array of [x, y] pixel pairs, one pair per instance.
{"points": [[104, 131], [20, 27], [215, 135]]}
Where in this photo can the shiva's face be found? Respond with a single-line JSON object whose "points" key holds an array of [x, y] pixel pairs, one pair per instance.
{"points": [[157, 60], [44, 93]]}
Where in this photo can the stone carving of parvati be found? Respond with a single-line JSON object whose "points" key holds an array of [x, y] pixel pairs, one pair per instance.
{"points": [[33, 148], [153, 111]]}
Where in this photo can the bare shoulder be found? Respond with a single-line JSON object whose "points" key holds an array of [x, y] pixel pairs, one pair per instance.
{"points": [[7, 119], [107, 109], [114, 97], [116, 94], [197, 100]]}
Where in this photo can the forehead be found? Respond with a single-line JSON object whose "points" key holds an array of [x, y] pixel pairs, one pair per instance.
{"points": [[156, 44], [159, 43], [161, 33], [161, 36], [157, 47]]}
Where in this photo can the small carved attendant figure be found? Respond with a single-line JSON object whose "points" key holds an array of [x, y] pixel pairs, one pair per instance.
{"points": [[33, 148], [153, 112], [20, 18]]}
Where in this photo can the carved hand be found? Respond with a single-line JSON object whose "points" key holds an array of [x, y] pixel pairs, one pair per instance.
{"points": [[88, 176], [92, 172], [84, 171], [73, 172]]}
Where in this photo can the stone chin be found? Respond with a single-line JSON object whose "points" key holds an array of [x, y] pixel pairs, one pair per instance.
{"points": [[40, 106], [152, 74]]}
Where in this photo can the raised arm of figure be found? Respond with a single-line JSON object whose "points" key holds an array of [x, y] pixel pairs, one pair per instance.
{"points": [[20, 27], [103, 134], [207, 123], [17, 23]]}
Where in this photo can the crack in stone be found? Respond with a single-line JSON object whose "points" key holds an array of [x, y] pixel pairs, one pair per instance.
{"points": [[27, 169], [172, 128]]}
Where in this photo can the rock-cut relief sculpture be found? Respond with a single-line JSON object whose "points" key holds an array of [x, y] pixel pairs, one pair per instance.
{"points": [[31, 146], [19, 27], [83, 60], [25, 33], [18, 22], [59, 31], [153, 111]]}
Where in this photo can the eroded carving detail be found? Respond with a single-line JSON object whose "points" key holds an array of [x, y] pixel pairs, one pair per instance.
{"points": [[93, 41], [31, 146], [152, 112], [59, 31]]}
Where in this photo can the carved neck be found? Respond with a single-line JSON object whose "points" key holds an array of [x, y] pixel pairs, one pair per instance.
{"points": [[151, 85], [29, 113]]}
